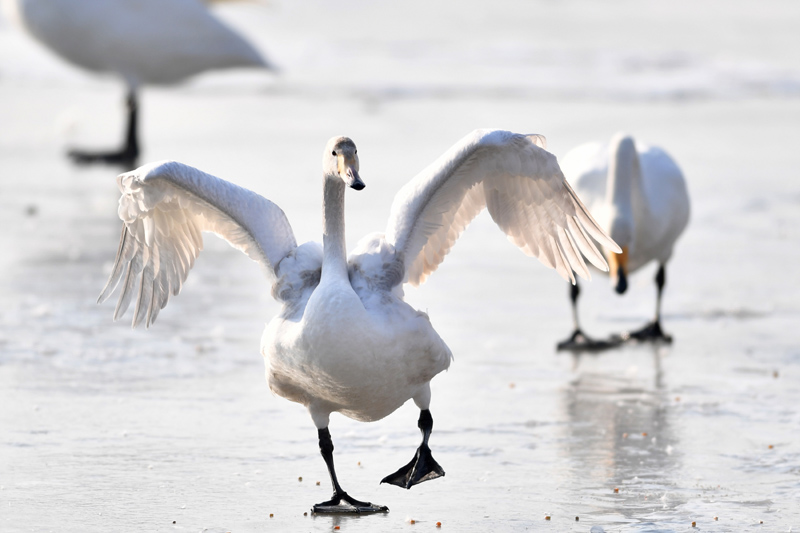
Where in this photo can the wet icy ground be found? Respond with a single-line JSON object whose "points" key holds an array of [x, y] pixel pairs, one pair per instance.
{"points": [[107, 429]]}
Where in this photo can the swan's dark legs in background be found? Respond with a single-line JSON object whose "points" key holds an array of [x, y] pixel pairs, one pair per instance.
{"points": [[128, 155], [579, 341], [653, 331]]}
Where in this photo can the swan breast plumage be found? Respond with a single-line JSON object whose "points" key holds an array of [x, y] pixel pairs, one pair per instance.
{"points": [[354, 347]]}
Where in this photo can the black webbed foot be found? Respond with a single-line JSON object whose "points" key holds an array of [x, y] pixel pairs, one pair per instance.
{"points": [[423, 467], [580, 342], [341, 502], [124, 158], [344, 504], [652, 332]]}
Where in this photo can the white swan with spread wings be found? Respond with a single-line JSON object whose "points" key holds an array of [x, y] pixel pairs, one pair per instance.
{"points": [[345, 340]]}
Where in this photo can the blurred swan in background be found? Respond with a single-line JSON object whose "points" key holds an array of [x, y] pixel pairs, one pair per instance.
{"points": [[157, 42], [639, 195], [345, 340]]}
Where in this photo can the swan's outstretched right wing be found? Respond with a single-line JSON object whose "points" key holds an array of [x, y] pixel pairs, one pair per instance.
{"points": [[164, 208], [521, 185]]}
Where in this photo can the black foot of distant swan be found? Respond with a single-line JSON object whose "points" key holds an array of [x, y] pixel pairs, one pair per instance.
{"points": [[652, 332], [580, 342], [341, 502], [125, 157], [423, 466]]}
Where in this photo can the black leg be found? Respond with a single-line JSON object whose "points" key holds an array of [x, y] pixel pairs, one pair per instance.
{"points": [[423, 466], [341, 502], [129, 153], [661, 278], [574, 292], [579, 341], [653, 331]]}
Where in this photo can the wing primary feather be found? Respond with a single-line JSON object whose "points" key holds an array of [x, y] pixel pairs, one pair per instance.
{"points": [[117, 269], [562, 264], [139, 298], [573, 257], [589, 223], [584, 269], [145, 285], [152, 305], [585, 244], [134, 266]]}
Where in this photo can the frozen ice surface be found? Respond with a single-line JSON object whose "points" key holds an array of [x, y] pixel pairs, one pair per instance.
{"points": [[173, 429]]}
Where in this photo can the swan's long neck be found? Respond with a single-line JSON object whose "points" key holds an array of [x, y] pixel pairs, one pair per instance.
{"points": [[334, 262], [623, 177]]}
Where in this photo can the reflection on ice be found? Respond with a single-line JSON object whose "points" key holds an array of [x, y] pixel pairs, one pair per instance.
{"points": [[621, 430]]}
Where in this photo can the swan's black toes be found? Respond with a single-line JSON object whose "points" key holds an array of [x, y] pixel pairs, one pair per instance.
{"points": [[344, 504], [652, 332], [580, 342], [423, 467], [123, 158]]}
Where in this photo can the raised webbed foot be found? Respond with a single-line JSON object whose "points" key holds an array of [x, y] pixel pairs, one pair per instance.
{"points": [[422, 467]]}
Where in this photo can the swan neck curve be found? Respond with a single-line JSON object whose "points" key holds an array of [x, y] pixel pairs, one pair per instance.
{"points": [[623, 177], [334, 262]]}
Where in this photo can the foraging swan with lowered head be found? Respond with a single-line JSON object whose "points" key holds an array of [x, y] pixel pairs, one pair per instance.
{"points": [[345, 340], [638, 194], [144, 42]]}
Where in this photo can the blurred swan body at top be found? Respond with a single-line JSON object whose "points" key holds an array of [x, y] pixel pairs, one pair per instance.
{"points": [[639, 196], [143, 42], [345, 341]]}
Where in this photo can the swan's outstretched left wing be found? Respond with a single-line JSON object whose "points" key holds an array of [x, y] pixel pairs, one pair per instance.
{"points": [[524, 190], [164, 208]]}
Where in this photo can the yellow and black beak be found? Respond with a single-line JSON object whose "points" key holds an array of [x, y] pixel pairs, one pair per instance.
{"points": [[618, 266], [348, 171]]}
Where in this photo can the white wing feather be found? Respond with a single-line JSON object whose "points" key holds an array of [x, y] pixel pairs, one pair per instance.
{"points": [[164, 208], [524, 190]]}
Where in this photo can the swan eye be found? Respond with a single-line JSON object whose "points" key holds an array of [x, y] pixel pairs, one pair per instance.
{"points": [[333, 153], [356, 151]]}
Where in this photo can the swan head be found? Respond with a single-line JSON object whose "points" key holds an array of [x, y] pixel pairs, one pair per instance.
{"points": [[340, 161]]}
